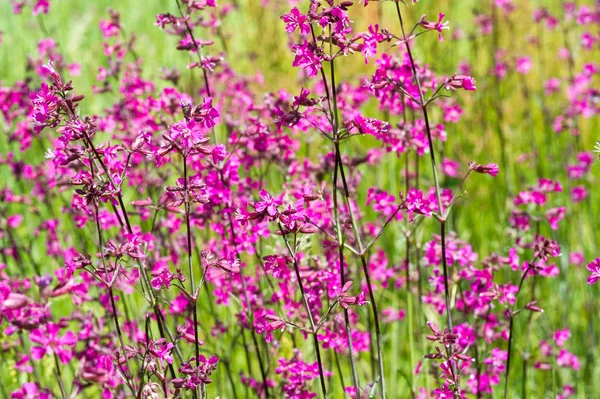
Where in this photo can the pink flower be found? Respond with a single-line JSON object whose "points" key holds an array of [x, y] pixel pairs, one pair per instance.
{"points": [[277, 265], [438, 26], [370, 40], [51, 343], [306, 58], [296, 20], [219, 152], [206, 115], [491, 169], [14, 221], [566, 359], [450, 167], [560, 336], [594, 267], [576, 258], [417, 203], [555, 215], [523, 65], [30, 390], [42, 6], [552, 85], [579, 193], [460, 82]]}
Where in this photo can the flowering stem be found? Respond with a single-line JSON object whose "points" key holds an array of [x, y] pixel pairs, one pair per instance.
{"points": [[340, 239], [511, 324], [188, 232], [154, 304], [292, 253], [196, 47], [363, 259], [250, 313], [442, 220], [355, 228], [131, 383], [526, 354], [197, 50], [445, 267], [409, 297]]}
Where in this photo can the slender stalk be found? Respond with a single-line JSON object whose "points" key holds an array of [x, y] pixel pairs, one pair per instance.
{"points": [[247, 298], [198, 51], [311, 320], [333, 118], [510, 327], [340, 240], [443, 216], [112, 301], [197, 48], [358, 238], [188, 232], [526, 354], [409, 297], [61, 384], [231, 380]]}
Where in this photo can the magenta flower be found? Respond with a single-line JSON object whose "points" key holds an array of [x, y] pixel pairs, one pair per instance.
{"points": [[491, 169], [30, 390], [417, 203], [523, 65], [438, 26], [267, 206], [206, 115], [555, 215], [187, 133], [45, 103], [460, 82], [219, 152], [277, 265], [579, 193], [161, 349], [296, 20], [566, 359], [370, 40], [51, 343], [560, 336], [594, 267], [306, 58], [450, 167], [41, 6]]}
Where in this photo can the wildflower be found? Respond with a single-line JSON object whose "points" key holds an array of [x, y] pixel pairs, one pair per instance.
{"points": [[460, 82], [346, 300], [491, 169], [306, 58], [594, 267], [206, 115], [417, 203], [30, 390], [51, 343], [438, 26], [187, 133], [560, 336], [277, 265], [296, 20], [219, 152], [523, 65]]}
